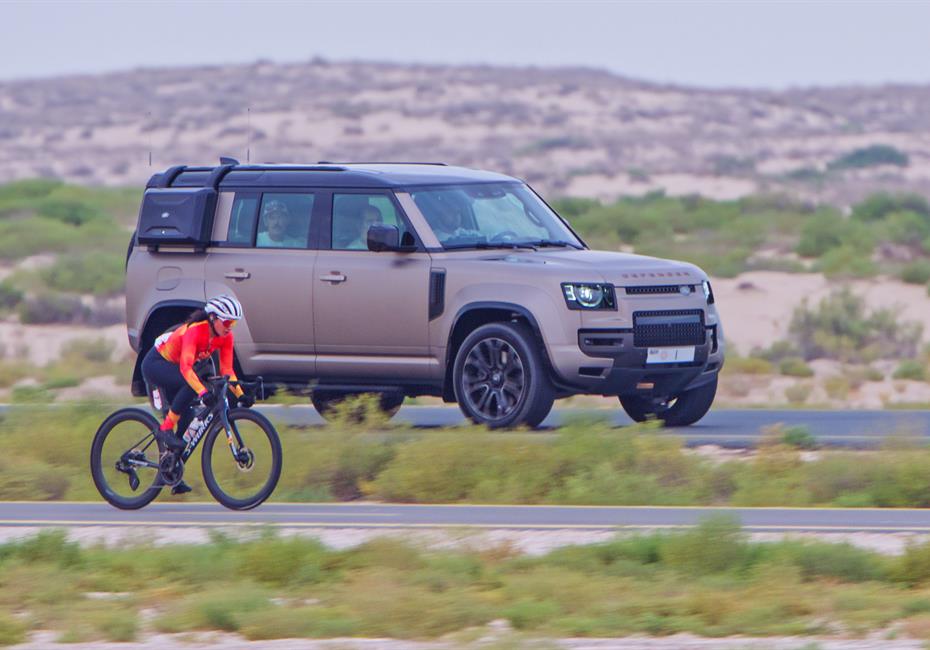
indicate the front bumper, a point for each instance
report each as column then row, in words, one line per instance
column 608, row 363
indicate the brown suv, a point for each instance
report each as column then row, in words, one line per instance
column 420, row 279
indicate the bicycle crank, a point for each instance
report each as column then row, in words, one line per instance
column 170, row 469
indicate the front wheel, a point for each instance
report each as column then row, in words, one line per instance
column 500, row 377
column 681, row 411
column 124, row 459
column 242, row 471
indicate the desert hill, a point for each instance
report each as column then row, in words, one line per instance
column 569, row 131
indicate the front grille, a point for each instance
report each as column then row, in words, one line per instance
column 668, row 328
column 656, row 289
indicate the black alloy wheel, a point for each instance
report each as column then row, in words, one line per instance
column 500, row 377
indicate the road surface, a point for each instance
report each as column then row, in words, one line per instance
column 396, row 516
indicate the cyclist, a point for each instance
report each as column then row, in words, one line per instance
column 170, row 365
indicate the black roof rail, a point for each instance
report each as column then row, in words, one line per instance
column 382, row 162
column 167, row 177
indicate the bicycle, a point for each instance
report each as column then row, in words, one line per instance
column 117, row 462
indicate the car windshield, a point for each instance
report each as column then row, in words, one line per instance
column 491, row 215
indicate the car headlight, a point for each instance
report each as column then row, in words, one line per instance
column 585, row 295
column 708, row 292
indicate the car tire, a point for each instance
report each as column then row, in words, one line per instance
column 686, row 409
column 325, row 400
column 500, row 377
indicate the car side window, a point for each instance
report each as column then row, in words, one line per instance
column 353, row 214
column 242, row 220
column 284, row 220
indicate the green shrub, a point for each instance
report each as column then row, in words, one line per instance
column 795, row 367
column 847, row 261
column 821, row 233
column 917, row 272
column 571, row 206
column 715, row 545
column 911, row 369
column 876, row 154
column 799, row 437
column 747, row 365
column 52, row 308
column 10, row 296
column 877, row 206
column 840, row 328
column 841, row 561
column 100, row 274
column 12, row 631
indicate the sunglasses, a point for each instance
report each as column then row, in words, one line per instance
column 229, row 324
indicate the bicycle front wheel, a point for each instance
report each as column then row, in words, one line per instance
column 242, row 468
column 124, row 459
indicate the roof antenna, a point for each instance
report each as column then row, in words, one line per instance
column 248, row 149
column 149, row 115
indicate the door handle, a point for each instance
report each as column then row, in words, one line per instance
column 334, row 277
column 238, row 274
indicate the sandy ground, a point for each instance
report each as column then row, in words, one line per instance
column 756, row 307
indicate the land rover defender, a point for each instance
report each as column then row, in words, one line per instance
column 407, row 279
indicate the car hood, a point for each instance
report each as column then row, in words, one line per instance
column 623, row 269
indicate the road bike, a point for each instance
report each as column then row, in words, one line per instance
column 130, row 466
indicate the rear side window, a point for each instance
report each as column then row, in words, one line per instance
column 284, row 220
column 353, row 214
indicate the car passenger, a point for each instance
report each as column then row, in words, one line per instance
column 275, row 227
column 369, row 216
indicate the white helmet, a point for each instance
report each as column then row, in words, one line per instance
column 225, row 308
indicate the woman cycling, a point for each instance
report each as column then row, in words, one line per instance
column 170, row 364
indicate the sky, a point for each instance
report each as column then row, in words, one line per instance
column 744, row 43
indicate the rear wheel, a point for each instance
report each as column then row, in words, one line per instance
column 242, row 476
column 325, row 401
column 500, row 377
column 124, row 457
column 681, row 411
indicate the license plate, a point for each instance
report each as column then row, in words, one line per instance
column 670, row 355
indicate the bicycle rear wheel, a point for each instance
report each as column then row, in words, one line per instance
column 124, row 459
column 242, row 477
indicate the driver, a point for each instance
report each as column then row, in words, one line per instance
column 446, row 221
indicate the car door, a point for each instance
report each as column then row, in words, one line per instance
column 265, row 257
column 370, row 309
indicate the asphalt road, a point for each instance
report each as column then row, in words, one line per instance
column 727, row 428
column 735, row 429
column 357, row 515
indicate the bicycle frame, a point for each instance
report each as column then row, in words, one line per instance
column 219, row 387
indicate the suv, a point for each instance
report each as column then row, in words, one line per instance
column 408, row 279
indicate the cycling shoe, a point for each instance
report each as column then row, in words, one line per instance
column 169, row 440
column 181, row 488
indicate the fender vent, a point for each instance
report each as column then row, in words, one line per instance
column 437, row 293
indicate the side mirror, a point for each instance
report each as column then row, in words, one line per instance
column 383, row 238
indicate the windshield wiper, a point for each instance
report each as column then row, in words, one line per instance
column 554, row 242
column 486, row 245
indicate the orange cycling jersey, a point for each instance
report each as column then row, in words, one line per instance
column 194, row 342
